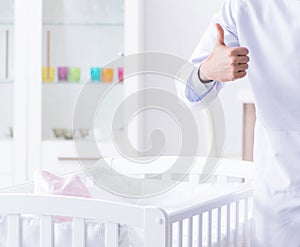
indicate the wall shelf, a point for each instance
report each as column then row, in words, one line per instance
column 6, row 24
column 6, row 82
column 6, row 141
column 74, row 24
column 92, row 84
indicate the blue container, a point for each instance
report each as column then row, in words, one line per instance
column 96, row 74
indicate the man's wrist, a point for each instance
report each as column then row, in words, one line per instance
column 202, row 77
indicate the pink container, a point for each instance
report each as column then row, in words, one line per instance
column 62, row 73
column 121, row 74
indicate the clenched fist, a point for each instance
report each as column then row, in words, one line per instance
column 225, row 63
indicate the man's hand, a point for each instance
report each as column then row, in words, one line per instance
column 225, row 63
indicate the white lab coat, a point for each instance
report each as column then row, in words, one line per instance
column 270, row 29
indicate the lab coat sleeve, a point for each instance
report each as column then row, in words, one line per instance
column 194, row 92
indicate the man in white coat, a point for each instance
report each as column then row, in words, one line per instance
column 261, row 38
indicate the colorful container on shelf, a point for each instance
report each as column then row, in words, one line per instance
column 74, row 74
column 62, row 73
column 107, row 74
column 48, row 74
column 121, row 74
column 95, row 74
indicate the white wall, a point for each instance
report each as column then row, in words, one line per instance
column 175, row 26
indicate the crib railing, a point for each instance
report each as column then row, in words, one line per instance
column 13, row 206
column 201, row 225
column 204, row 226
column 190, row 227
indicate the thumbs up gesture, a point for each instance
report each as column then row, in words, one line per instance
column 225, row 63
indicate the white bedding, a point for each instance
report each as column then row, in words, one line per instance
column 62, row 233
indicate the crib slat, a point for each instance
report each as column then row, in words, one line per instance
column 219, row 226
column 209, row 239
column 228, row 225
column 246, row 222
column 111, row 235
column 237, row 222
column 14, row 230
column 46, row 231
column 179, row 234
column 171, row 235
column 200, row 227
column 190, row 232
column 79, row 237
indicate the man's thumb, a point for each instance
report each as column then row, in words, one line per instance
column 220, row 35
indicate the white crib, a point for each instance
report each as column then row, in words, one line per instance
column 221, row 221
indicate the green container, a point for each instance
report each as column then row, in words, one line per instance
column 74, row 74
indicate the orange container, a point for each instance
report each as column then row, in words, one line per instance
column 107, row 74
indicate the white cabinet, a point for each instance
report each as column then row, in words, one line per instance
column 79, row 39
column 52, row 50
column 6, row 91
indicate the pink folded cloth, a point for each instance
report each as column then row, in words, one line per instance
column 50, row 184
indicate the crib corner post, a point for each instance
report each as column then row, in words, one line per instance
column 156, row 227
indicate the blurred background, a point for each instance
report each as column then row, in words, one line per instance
column 51, row 49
